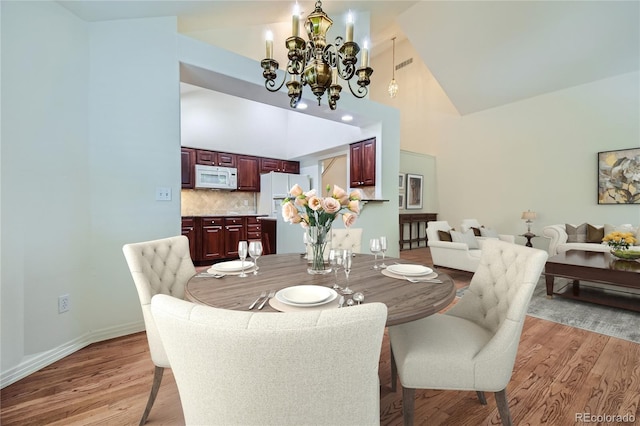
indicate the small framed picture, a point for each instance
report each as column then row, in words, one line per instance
column 414, row 191
column 401, row 180
column 401, row 201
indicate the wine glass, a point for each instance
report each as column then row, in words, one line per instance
column 383, row 249
column 255, row 251
column 346, row 264
column 242, row 254
column 374, row 246
column 335, row 260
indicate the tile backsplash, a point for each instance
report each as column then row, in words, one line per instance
column 202, row 202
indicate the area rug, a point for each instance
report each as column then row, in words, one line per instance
column 613, row 322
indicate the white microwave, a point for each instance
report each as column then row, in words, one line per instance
column 216, row 177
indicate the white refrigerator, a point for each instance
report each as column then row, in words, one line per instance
column 274, row 187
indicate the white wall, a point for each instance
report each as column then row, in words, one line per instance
column 45, row 191
column 538, row 154
column 222, row 122
column 135, row 147
column 91, row 127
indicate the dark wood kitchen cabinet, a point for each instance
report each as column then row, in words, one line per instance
column 211, row 239
column 216, row 238
column 189, row 231
column 235, row 230
column 254, row 228
column 248, row 176
column 362, row 170
column 274, row 165
column 187, row 162
column 213, row 158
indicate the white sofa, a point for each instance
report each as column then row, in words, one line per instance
column 455, row 255
column 560, row 238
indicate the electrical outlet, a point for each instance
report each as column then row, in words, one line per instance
column 64, row 303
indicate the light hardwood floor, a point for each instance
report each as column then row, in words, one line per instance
column 559, row 373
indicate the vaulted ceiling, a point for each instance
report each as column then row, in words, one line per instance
column 483, row 53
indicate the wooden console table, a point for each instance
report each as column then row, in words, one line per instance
column 417, row 227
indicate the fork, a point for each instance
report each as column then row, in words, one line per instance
column 271, row 294
column 415, row 280
column 263, row 294
column 209, row 274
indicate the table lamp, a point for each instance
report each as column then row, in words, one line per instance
column 529, row 216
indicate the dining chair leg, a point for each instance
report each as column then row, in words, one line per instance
column 503, row 407
column 408, row 402
column 481, row 397
column 394, row 370
column 157, row 379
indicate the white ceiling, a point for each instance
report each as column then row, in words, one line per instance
column 483, row 53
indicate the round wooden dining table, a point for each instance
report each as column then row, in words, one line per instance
column 405, row 301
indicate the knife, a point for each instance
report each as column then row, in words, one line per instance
column 263, row 294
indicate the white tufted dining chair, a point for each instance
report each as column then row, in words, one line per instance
column 158, row 267
column 348, row 238
column 269, row 368
column 473, row 345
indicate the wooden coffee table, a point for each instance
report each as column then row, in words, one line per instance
column 579, row 265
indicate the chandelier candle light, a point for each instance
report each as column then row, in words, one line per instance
column 316, row 63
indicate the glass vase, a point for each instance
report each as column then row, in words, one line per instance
column 319, row 240
column 625, row 254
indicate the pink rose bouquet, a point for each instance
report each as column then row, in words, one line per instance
column 310, row 209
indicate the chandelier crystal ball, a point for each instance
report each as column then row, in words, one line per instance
column 315, row 63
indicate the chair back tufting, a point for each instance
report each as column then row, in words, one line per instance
column 350, row 238
column 158, row 267
column 502, row 286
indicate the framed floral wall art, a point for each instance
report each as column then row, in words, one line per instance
column 414, row 191
column 619, row 176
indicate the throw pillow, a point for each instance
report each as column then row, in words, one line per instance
column 594, row 234
column 444, row 236
column 622, row 228
column 489, row 233
column 608, row 228
column 468, row 238
column 576, row 234
column 476, row 231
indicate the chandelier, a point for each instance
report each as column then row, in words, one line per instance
column 315, row 63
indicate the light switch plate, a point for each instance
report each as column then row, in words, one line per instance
column 163, row 193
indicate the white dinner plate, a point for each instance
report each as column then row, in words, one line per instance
column 306, row 295
column 409, row 270
column 232, row 266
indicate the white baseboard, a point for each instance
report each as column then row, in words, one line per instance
column 33, row 363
